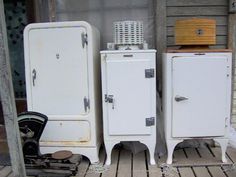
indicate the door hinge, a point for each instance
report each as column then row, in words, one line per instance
column 228, row 71
column 150, row 121
column 86, row 104
column 84, row 38
column 110, row 99
column 149, row 73
column 226, row 122
column 34, row 74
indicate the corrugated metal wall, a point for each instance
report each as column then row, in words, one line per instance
column 102, row 14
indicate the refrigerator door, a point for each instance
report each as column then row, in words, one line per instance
column 59, row 71
column 199, row 96
column 129, row 96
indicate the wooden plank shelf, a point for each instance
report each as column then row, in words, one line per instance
column 188, row 162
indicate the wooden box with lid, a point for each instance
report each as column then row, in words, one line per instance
column 195, row 31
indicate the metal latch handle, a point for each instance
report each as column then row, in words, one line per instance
column 34, row 75
column 110, row 99
column 180, row 98
column 84, row 39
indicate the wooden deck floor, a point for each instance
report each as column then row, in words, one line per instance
column 188, row 162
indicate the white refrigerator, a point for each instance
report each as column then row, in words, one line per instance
column 62, row 70
column 196, row 97
column 129, row 98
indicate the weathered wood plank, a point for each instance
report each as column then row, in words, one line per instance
column 232, row 45
column 234, row 95
column 124, row 168
column 193, row 159
column 8, row 102
column 186, row 172
column 220, row 30
column 42, row 11
column 90, row 172
column 182, row 3
column 230, row 172
column 233, row 110
column 192, row 153
column 218, row 47
column 179, row 156
column 68, row 8
column 161, row 44
column 192, row 11
column 111, row 172
column 196, row 50
column 139, row 165
column 220, row 40
column 5, row 171
column 83, row 167
column 234, row 103
column 205, row 153
column 233, row 118
column 217, row 156
column 154, row 170
column 11, row 175
column 216, row 171
column 52, row 10
column 199, row 171
column 227, row 169
column 232, row 154
column 220, row 20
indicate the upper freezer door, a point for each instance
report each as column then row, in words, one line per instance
column 59, row 71
column 130, row 96
column 199, row 96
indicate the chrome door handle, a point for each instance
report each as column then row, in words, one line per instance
column 180, row 98
column 34, row 76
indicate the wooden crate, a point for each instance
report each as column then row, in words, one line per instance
column 195, row 32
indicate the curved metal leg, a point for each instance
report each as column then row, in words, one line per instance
column 170, row 148
column 223, row 144
column 151, row 147
column 109, row 146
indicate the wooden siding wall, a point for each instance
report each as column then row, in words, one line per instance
column 213, row 9
column 232, row 45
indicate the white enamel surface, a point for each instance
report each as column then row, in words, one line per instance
column 61, row 70
column 123, row 76
column 80, row 131
column 205, row 79
column 131, row 96
column 66, row 72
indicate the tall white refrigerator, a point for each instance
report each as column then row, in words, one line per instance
column 129, row 98
column 62, row 69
